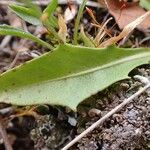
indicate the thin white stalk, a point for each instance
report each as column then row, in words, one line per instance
column 101, row 120
column 101, row 32
column 142, row 79
column 5, row 41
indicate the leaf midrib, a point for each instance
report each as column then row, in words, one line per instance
column 106, row 66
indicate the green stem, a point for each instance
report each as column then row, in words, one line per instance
column 77, row 22
column 45, row 44
column 51, row 29
column 87, row 41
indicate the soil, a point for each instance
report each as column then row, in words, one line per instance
column 128, row 129
column 55, row 126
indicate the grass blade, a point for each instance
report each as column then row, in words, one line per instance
column 8, row 30
column 77, row 22
column 26, row 14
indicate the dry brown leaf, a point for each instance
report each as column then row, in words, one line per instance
column 126, row 12
column 126, row 31
column 70, row 13
column 62, row 28
column 101, row 33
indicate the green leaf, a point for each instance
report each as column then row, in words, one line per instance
column 53, row 21
column 145, row 4
column 27, row 14
column 49, row 10
column 51, row 7
column 77, row 22
column 31, row 5
column 68, row 75
column 87, row 41
column 8, row 30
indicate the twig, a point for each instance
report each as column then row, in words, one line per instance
column 5, row 138
column 142, row 79
column 14, row 61
column 101, row 120
column 144, row 40
column 5, row 41
column 45, row 2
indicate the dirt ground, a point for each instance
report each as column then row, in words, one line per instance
column 56, row 126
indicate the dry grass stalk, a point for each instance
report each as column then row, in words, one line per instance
column 126, row 31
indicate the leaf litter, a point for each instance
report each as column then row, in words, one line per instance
column 126, row 12
column 126, row 31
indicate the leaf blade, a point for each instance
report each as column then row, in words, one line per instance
column 145, row 4
column 26, row 14
column 8, row 30
column 51, row 7
column 65, row 85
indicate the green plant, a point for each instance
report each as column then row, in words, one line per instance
column 32, row 14
column 145, row 4
column 67, row 74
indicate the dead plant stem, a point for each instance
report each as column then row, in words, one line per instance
column 5, row 137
